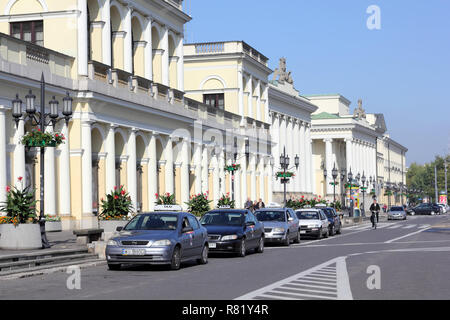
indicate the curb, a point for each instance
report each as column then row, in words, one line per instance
column 62, row 268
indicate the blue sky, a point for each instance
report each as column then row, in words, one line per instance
column 402, row 70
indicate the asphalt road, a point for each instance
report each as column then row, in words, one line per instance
column 400, row 260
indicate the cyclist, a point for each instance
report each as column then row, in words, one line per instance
column 375, row 209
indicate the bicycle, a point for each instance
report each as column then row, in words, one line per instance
column 373, row 219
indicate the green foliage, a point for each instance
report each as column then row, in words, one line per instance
column 225, row 200
column 117, row 205
column 20, row 205
column 302, row 202
column 49, row 218
column 37, row 138
column 165, row 199
column 199, row 204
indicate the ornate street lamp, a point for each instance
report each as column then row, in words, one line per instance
column 284, row 164
column 350, row 178
column 363, row 189
column 334, row 174
column 343, row 174
column 42, row 120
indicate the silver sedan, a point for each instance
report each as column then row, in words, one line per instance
column 396, row 213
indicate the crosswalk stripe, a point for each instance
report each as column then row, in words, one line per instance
column 318, row 282
column 294, row 287
column 318, row 275
column 424, row 226
column 293, row 293
column 299, row 283
column 410, row 226
column 395, row 226
column 326, row 273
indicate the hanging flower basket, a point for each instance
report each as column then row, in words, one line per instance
column 334, row 183
column 285, row 175
column 39, row 139
column 232, row 168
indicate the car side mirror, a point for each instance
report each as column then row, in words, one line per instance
column 290, row 219
column 119, row 228
column 187, row 229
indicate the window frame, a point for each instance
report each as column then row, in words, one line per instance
column 216, row 96
column 32, row 28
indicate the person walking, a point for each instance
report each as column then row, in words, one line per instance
column 248, row 204
column 260, row 204
column 375, row 209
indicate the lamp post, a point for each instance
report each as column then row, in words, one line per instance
column 42, row 120
column 350, row 178
column 233, row 168
column 325, row 175
column 284, row 163
column 363, row 189
column 334, row 174
column 343, row 174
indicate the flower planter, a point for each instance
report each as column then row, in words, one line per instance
column 111, row 225
column 24, row 236
column 53, row 226
column 35, row 144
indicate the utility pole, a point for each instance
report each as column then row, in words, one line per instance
column 435, row 184
column 445, row 170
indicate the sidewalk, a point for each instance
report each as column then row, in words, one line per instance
column 58, row 240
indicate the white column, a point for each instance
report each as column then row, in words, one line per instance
column 152, row 172
column 148, row 50
column 250, row 96
column 131, row 167
column 50, row 181
column 241, row 93
column 303, row 156
column 355, row 157
column 349, row 154
column 169, row 176
column 128, row 43
column 64, row 174
column 237, row 186
column 110, row 163
column 222, row 173
column 252, row 163
column 243, row 163
column 82, row 39
column 296, row 143
column 328, row 161
column 19, row 155
column 3, row 182
column 184, row 173
column 269, row 169
column 258, row 100
column 216, row 181
column 198, row 167
column 266, row 105
column 275, row 128
column 205, row 169
column 106, row 33
column 310, row 170
column 289, row 141
column 262, row 174
column 180, row 64
column 165, row 56
column 86, row 165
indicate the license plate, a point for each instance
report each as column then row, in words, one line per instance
column 302, row 232
column 212, row 245
column 133, row 252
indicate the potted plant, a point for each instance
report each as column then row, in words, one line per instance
column 53, row 223
column 37, row 138
column 19, row 228
column 198, row 205
column 168, row 199
column 115, row 210
column 225, row 201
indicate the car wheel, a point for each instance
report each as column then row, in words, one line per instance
column 260, row 248
column 287, row 242
column 297, row 238
column 432, row 213
column 175, row 263
column 114, row 267
column 319, row 236
column 332, row 232
column 326, row 234
column 413, row 213
column 242, row 249
column 339, row 231
column 204, row 258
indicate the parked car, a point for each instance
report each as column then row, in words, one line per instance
column 313, row 222
column 335, row 225
column 281, row 225
column 231, row 230
column 443, row 208
column 396, row 213
column 158, row 238
column 426, row 208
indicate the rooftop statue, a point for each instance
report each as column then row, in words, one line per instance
column 282, row 74
column 359, row 113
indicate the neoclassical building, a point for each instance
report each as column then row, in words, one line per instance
column 291, row 131
column 355, row 141
column 122, row 63
column 231, row 76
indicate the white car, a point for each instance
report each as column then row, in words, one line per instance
column 313, row 222
column 396, row 213
column 443, row 207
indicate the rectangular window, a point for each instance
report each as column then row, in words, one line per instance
column 214, row 100
column 31, row 31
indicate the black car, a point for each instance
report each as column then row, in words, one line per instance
column 231, row 230
column 335, row 225
column 426, row 208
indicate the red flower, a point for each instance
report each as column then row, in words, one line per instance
column 39, row 130
column 8, row 188
column 116, row 197
column 123, row 192
column 56, row 135
column 20, row 178
column 115, row 187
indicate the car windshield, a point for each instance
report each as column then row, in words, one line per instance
column 223, row 219
column 271, row 216
column 307, row 215
column 328, row 213
column 396, row 209
column 156, row 221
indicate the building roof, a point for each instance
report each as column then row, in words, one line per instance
column 324, row 115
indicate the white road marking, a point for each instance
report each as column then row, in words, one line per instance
column 408, row 235
column 395, row 226
column 299, row 286
column 424, row 226
column 410, row 226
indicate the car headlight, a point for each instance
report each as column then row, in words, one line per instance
column 279, row 230
column 229, row 237
column 161, row 243
column 112, row 243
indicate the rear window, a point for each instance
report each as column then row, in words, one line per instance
column 278, row 216
column 396, row 209
column 307, row 215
